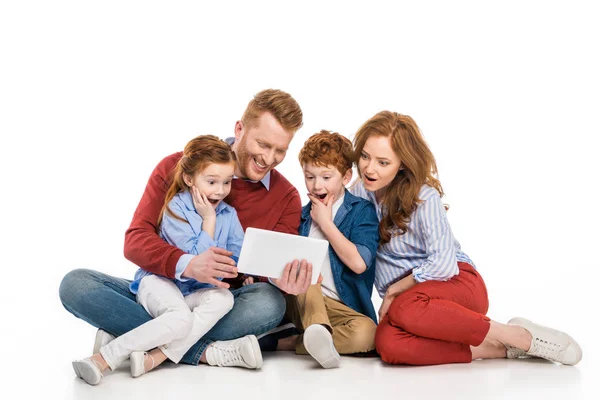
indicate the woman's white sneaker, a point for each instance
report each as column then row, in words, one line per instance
column 137, row 361
column 319, row 344
column 549, row 343
column 243, row 352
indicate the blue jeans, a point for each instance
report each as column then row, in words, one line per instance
column 106, row 302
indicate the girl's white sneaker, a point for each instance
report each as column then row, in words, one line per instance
column 88, row 370
column 137, row 360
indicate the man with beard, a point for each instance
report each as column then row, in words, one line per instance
column 262, row 197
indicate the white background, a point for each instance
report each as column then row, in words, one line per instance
column 93, row 95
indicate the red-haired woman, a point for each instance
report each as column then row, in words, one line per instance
column 434, row 300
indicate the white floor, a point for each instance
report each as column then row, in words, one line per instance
column 45, row 371
column 286, row 376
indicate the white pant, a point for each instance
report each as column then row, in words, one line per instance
column 179, row 322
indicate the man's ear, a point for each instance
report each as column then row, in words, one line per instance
column 347, row 177
column 238, row 130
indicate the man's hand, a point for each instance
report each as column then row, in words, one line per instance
column 295, row 278
column 212, row 264
column 321, row 212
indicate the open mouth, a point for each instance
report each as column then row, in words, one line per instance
column 213, row 201
column 259, row 165
column 370, row 179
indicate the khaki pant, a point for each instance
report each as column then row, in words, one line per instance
column 352, row 331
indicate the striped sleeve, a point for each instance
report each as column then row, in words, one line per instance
column 441, row 262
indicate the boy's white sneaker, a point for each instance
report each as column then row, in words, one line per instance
column 102, row 338
column 319, row 344
column 87, row 370
column 549, row 343
column 242, row 352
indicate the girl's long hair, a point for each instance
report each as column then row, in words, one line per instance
column 401, row 197
column 197, row 155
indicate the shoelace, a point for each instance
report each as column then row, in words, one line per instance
column 545, row 349
column 227, row 355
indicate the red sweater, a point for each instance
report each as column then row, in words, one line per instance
column 277, row 209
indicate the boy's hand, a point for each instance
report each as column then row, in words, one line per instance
column 248, row 281
column 321, row 212
column 202, row 205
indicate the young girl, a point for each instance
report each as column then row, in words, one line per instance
column 194, row 218
column 434, row 300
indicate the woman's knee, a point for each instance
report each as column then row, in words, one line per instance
column 390, row 345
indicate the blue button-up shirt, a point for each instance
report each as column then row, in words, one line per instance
column 190, row 237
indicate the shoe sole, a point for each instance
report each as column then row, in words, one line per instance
column 135, row 359
column 86, row 372
column 523, row 323
column 256, row 351
column 312, row 336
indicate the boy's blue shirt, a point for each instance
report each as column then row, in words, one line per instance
column 357, row 220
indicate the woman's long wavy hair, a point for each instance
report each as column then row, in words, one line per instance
column 401, row 197
column 198, row 154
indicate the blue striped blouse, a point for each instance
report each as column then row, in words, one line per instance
column 428, row 249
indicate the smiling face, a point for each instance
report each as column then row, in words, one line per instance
column 260, row 148
column 378, row 163
column 214, row 181
column 324, row 182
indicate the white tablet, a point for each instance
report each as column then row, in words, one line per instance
column 265, row 253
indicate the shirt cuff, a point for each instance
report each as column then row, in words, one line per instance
column 182, row 264
column 417, row 276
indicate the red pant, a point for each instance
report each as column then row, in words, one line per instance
column 436, row 322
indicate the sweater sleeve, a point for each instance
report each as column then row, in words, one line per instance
column 143, row 246
column 289, row 222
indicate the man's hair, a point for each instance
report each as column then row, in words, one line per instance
column 328, row 148
column 279, row 104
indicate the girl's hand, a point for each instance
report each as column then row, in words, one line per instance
column 248, row 281
column 321, row 212
column 202, row 205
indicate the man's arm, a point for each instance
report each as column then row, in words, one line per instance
column 143, row 246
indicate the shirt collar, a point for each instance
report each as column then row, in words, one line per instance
column 266, row 180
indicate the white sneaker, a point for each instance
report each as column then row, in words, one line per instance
column 102, row 338
column 319, row 344
column 137, row 361
column 88, row 370
column 243, row 352
column 549, row 343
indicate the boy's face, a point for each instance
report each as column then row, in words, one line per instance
column 324, row 182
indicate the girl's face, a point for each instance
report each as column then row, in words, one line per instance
column 214, row 182
column 378, row 164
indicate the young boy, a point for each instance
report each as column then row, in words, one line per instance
column 337, row 314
